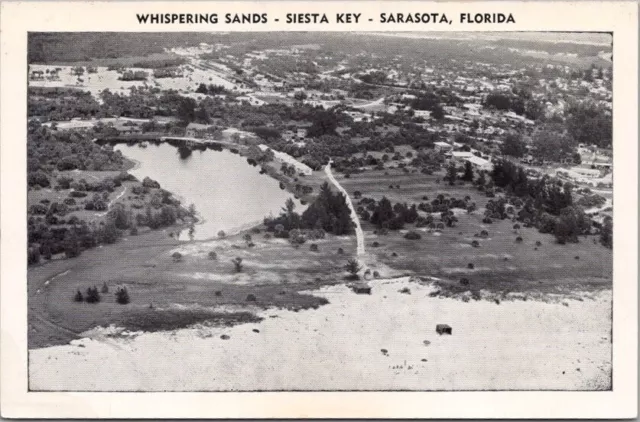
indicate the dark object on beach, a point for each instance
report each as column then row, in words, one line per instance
column 362, row 289
column 225, row 337
column 255, row 330
column 443, row 329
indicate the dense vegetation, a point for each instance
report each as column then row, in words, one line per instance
column 329, row 213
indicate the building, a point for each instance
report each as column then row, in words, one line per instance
column 193, row 130
column 480, row 163
column 442, row 146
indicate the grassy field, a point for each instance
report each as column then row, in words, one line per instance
column 500, row 264
column 166, row 294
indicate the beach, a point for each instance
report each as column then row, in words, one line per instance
column 383, row 341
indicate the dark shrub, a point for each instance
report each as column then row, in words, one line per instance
column 122, row 296
column 212, row 255
column 105, row 288
column 412, row 235
column 375, row 244
column 576, row 257
column 475, row 244
column 464, row 281
column 92, row 295
column 376, row 274
column 538, row 243
column 484, row 233
column 313, row 247
column 218, row 293
column 251, row 297
column 78, row 296
column 519, row 239
column 470, row 266
column 340, row 251
column 487, row 220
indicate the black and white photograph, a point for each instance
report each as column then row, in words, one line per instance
column 241, row 211
column 319, row 211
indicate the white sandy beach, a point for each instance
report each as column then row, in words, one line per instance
column 514, row 345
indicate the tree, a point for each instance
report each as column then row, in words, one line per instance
column 606, row 233
column 78, row 296
column 122, row 296
column 513, row 146
column 481, row 181
column 452, row 173
column 322, row 123
column 237, row 263
column 92, row 295
column 468, row 172
column 437, row 112
column 353, row 266
column 71, row 244
column 551, row 144
column 589, row 123
column 382, row 213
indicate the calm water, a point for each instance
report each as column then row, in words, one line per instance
column 228, row 192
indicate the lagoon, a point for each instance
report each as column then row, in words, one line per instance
column 228, row 192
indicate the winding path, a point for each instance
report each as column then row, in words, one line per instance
column 112, row 202
column 354, row 215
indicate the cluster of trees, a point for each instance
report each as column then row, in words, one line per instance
column 166, row 73
column 211, row 89
column 520, row 102
column 545, row 203
column 429, row 101
column 54, row 104
column 133, row 75
column 328, row 213
column 387, row 216
column 589, row 123
column 49, row 150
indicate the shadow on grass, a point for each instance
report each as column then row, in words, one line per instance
column 152, row 320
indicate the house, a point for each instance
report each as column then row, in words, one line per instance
column 480, row 163
column 460, row 156
column 37, row 74
column 425, row 114
column 442, row 146
column 193, row 130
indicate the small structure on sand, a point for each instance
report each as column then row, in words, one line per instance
column 362, row 289
column 443, row 329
